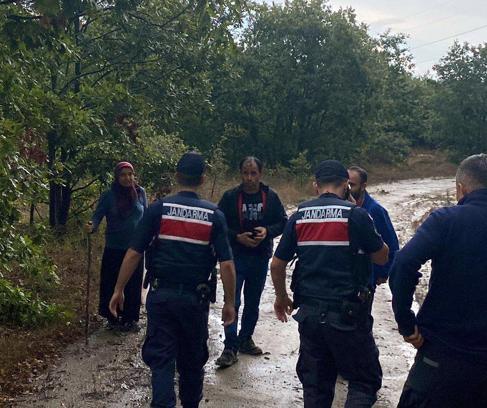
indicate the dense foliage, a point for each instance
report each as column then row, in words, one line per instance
column 86, row 83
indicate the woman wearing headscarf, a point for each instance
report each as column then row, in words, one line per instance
column 123, row 206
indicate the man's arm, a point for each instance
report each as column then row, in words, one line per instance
column 224, row 255
column 366, row 236
column 425, row 244
column 283, row 305
column 285, row 251
column 144, row 233
column 386, row 230
column 224, row 206
column 227, row 274
column 381, row 256
column 129, row 264
column 278, row 274
column 279, row 215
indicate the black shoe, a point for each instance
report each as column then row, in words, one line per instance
column 112, row 325
column 248, row 347
column 227, row 359
column 130, row 327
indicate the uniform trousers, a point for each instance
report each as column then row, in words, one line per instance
column 326, row 351
column 177, row 334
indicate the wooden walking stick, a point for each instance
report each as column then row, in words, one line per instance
column 88, row 280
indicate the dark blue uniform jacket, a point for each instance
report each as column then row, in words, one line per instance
column 454, row 312
column 319, row 234
column 384, row 227
column 191, row 235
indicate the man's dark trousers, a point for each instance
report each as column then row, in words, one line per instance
column 177, row 330
column 326, row 352
column 251, row 275
column 443, row 378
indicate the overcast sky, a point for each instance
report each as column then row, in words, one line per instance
column 425, row 21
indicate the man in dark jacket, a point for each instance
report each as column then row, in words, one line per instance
column 358, row 183
column 255, row 216
column 450, row 329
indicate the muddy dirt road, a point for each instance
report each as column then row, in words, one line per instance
column 110, row 373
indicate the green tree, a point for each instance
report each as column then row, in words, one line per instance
column 303, row 77
column 460, row 102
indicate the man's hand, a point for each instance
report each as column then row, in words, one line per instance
column 260, row 234
column 381, row 281
column 416, row 339
column 88, row 227
column 246, row 239
column 228, row 314
column 116, row 302
column 283, row 306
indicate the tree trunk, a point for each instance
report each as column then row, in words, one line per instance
column 31, row 214
column 53, row 186
column 64, row 205
column 63, row 198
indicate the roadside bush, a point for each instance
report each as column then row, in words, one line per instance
column 22, row 308
column 386, row 148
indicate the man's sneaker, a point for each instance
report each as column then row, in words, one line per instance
column 227, row 359
column 248, row 347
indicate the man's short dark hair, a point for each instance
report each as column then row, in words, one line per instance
column 472, row 172
column 334, row 181
column 361, row 172
column 254, row 159
column 188, row 181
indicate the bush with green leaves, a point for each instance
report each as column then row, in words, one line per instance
column 22, row 308
column 300, row 167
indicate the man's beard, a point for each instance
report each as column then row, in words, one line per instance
column 356, row 194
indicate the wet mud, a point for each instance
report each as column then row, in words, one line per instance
column 110, row 373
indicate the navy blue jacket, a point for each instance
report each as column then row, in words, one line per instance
column 319, row 234
column 384, row 227
column 454, row 312
column 191, row 235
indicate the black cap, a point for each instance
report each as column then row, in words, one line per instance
column 191, row 164
column 329, row 169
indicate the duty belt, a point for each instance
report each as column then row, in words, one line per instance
column 322, row 305
column 157, row 283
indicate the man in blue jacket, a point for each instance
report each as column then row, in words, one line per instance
column 450, row 329
column 358, row 184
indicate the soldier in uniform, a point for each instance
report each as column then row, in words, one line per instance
column 335, row 243
column 186, row 236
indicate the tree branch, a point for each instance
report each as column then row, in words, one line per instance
column 166, row 23
column 102, row 76
column 74, row 190
column 23, row 18
column 78, row 77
